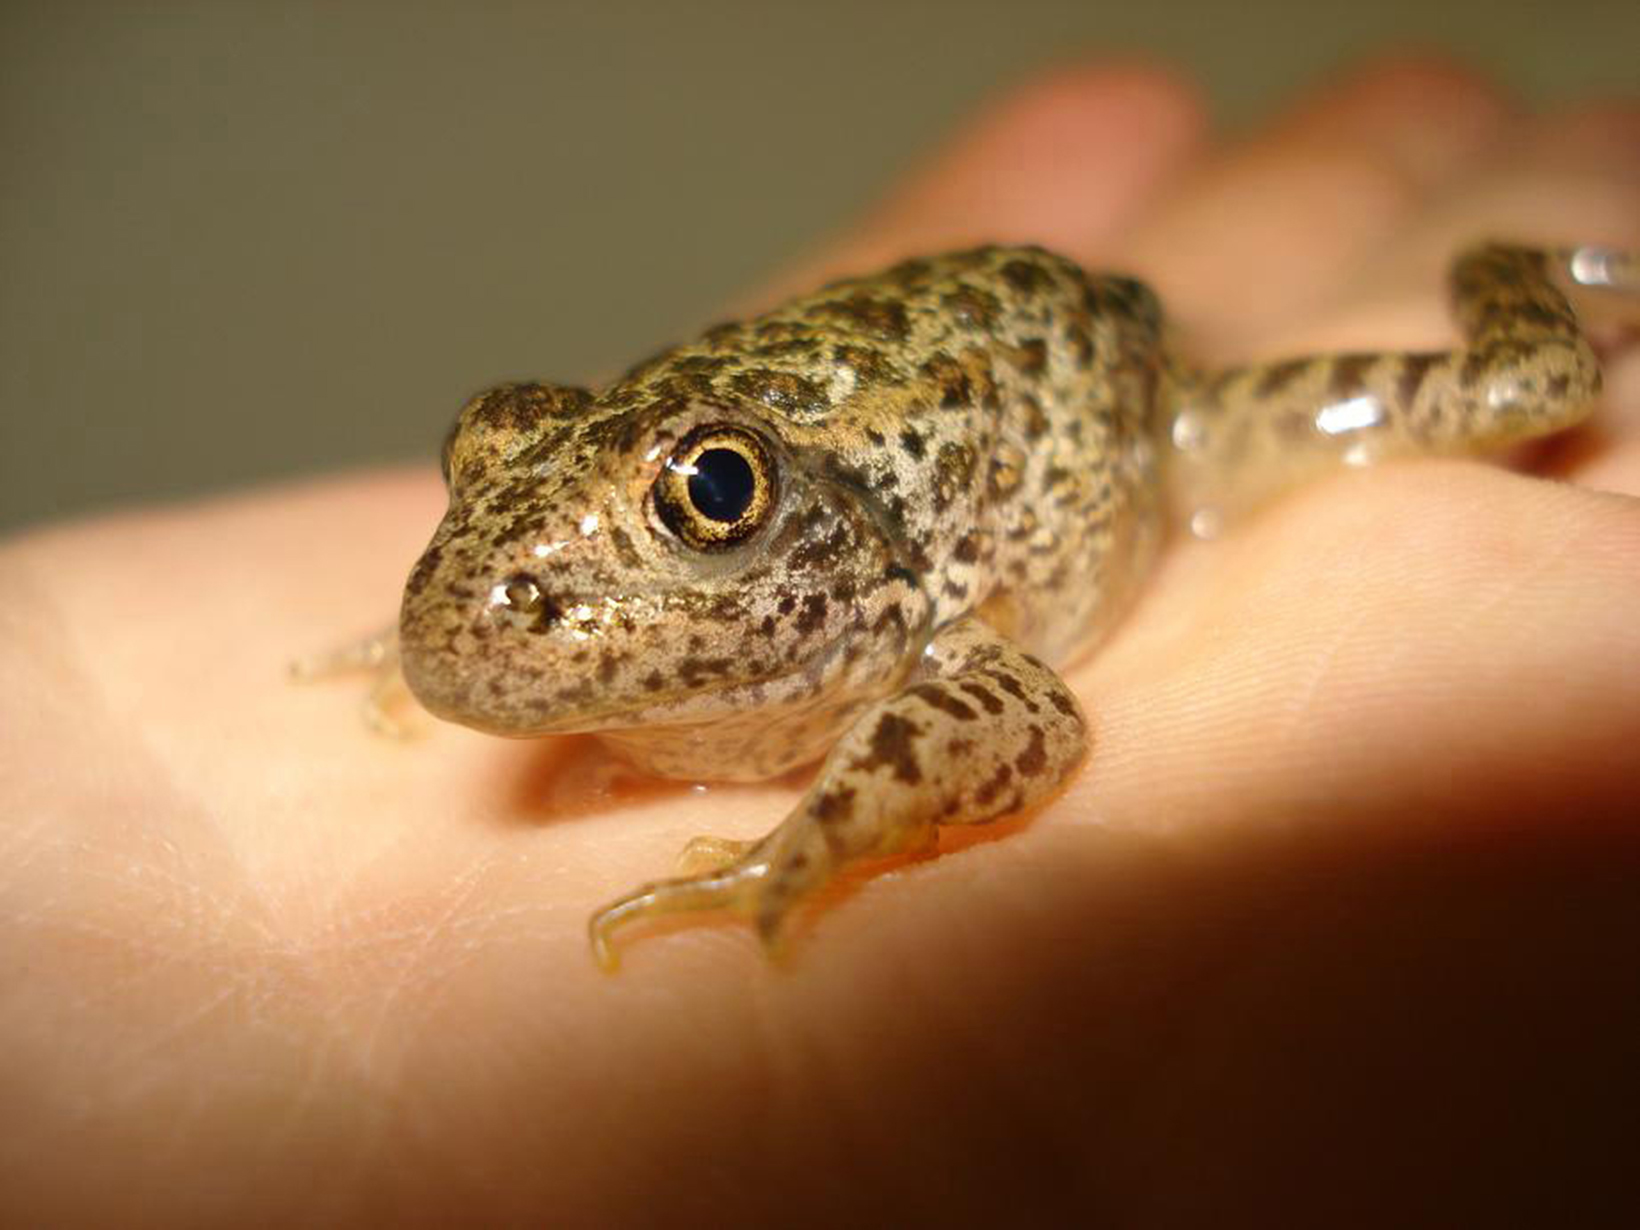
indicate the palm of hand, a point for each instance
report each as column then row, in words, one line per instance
column 1355, row 757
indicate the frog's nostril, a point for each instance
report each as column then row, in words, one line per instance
column 522, row 597
column 520, row 594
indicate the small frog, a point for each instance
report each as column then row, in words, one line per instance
column 867, row 526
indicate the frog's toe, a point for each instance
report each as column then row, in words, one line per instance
column 368, row 653
column 707, row 854
column 733, row 888
column 389, row 694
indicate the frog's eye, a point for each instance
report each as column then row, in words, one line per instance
column 717, row 489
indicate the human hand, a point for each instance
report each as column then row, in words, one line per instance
column 1338, row 913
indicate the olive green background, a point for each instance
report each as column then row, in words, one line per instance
column 245, row 241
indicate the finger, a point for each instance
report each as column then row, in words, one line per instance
column 1066, row 161
column 1402, row 626
column 1560, row 180
column 1606, row 456
column 1262, row 234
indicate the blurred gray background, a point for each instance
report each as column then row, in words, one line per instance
column 241, row 241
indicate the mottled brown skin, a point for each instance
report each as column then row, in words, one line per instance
column 964, row 466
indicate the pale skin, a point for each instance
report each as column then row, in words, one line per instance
column 1339, row 912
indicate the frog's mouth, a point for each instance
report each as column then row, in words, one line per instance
column 503, row 685
column 607, row 719
column 457, row 693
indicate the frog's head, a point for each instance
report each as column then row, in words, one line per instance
column 632, row 560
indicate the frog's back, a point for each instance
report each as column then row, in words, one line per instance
column 993, row 409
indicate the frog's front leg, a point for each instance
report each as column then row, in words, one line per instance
column 378, row 654
column 982, row 731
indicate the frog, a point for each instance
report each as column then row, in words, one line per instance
column 868, row 530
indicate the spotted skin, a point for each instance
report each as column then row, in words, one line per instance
column 964, row 466
column 1244, row 434
column 989, row 732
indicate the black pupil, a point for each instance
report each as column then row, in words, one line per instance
column 722, row 485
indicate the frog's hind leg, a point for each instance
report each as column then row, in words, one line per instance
column 986, row 730
column 1525, row 369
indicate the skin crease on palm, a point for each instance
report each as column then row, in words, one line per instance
column 1338, row 916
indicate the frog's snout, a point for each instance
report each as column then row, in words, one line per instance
column 511, row 644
